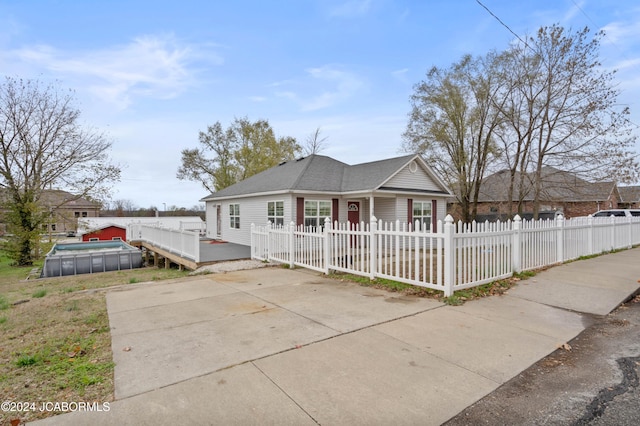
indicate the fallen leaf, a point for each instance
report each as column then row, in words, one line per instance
column 126, row 349
column 565, row 346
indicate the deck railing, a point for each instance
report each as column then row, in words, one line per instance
column 185, row 244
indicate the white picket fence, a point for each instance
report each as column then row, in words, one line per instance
column 183, row 243
column 457, row 257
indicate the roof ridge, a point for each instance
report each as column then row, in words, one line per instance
column 311, row 157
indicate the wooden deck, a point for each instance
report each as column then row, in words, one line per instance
column 210, row 252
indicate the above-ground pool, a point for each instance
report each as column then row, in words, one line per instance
column 91, row 257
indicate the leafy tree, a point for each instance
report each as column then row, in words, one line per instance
column 452, row 123
column 44, row 146
column 240, row 151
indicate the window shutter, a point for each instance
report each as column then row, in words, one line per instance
column 434, row 216
column 410, row 210
column 334, row 210
column 300, row 211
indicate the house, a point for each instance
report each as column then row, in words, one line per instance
column 308, row 190
column 108, row 232
column 629, row 197
column 561, row 191
column 64, row 210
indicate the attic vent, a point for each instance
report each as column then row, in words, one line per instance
column 413, row 167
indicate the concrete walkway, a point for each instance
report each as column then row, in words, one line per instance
column 278, row 346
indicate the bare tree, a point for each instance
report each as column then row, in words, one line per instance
column 44, row 146
column 314, row 144
column 123, row 207
column 563, row 109
column 452, row 123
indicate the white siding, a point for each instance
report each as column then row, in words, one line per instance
column 252, row 210
column 385, row 209
column 407, row 179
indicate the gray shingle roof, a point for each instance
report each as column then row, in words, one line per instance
column 629, row 194
column 316, row 173
column 557, row 185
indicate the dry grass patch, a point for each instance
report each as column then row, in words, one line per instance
column 55, row 343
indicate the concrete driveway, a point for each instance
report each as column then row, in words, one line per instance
column 168, row 333
column 279, row 346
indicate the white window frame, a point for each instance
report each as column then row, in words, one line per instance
column 315, row 215
column 234, row 216
column 422, row 213
column 275, row 212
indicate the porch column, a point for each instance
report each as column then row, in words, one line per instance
column 371, row 206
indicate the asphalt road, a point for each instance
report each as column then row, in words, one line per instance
column 591, row 381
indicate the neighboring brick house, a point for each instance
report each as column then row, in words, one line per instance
column 66, row 209
column 629, row 197
column 562, row 192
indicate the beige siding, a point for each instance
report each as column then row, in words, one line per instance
column 413, row 180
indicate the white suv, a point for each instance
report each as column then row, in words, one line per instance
column 617, row 212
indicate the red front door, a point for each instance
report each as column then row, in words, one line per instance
column 353, row 207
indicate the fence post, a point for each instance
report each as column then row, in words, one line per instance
column 630, row 232
column 269, row 242
column 560, row 239
column 196, row 236
column 613, row 232
column 448, row 256
column 590, row 235
column 373, row 247
column 326, row 241
column 292, row 241
column 516, row 245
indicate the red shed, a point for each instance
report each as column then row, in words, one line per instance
column 106, row 233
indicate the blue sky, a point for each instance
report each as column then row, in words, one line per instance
column 152, row 74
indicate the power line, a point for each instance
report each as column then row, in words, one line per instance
column 502, row 23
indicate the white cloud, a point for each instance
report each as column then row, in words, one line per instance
column 158, row 67
column 401, row 75
column 335, row 86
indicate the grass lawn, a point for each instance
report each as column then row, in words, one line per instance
column 55, row 344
